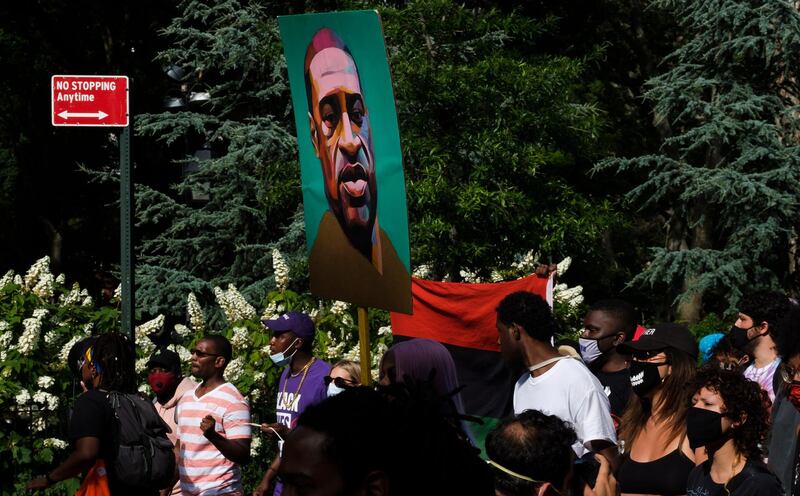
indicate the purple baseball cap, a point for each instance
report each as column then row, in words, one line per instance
column 297, row 322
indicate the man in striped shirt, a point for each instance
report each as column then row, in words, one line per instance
column 213, row 425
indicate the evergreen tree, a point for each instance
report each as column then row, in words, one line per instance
column 230, row 49
column 727, row 179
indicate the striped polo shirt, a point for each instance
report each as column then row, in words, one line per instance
column 203, row 469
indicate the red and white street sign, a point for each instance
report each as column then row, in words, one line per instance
column 89, row 101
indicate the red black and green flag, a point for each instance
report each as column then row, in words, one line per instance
column 462, row 317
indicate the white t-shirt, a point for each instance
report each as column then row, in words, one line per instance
column 570, row 391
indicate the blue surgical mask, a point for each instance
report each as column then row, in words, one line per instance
column 280, row 359
column 333, row 389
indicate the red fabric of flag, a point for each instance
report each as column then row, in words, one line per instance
column 462, row 314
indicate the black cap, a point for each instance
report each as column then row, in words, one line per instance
column 660, row 336
column 166, row 359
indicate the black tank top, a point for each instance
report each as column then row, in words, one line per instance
column 665, row 476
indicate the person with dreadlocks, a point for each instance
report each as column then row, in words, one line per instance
column 107, row 365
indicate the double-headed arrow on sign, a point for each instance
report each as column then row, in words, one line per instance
column 100, row 115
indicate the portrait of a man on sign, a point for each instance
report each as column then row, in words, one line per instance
column 352, row 258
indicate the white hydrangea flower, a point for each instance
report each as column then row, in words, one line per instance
column 140, row 365
column 87, row 302
column 146, row 328
column 266, row 350
column 234, row 369
column 563, row 265
column 313, row 313
column 23, row 397
column 353, row 354
column 270, row 312
column 259, row 376
column 385, row 330
column 117, row 292
column 73, row 297
column 37, row 270
column 183, row 354
column 40, row 313
column 571, row 296
column 87, row 328
column 46, row 399
column 8, row 278
column 61, row 279
column 255, row 394
column 30, row 336
column 339, row 307
column 6, row 338
column 422, row 272
column 196, row 317
column 281, row 270
column 233, row 304
column 18, row 280
column 182, row 330
column 240, row 339
column 63, row 355
column 45, row 382
column 469, row 276
column 52, row 442
column 255, row 444
column 50, row 337
column 4, row 325
column 526, row 262
column 44, row 287
column 496, row 276
column 144, row 388
column 39, row 424
column 3, row 355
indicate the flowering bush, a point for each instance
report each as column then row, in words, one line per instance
column 41, row 318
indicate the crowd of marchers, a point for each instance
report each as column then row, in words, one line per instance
column 626, row 409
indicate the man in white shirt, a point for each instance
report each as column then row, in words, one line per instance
column 554, row 384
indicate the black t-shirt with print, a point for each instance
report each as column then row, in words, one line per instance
column 617, row 386
column 754, row 480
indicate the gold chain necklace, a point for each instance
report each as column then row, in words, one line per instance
column 302, row 379
column 733, row 473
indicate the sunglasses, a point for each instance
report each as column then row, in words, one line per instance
column 203, row 354
column 788, row 373
column 342, row 383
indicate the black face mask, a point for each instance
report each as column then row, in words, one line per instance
column 703, row 427
column 738, row 337
column 644, row 377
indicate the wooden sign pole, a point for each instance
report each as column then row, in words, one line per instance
column 363, row 340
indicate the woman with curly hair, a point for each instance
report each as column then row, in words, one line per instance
column 729, row 419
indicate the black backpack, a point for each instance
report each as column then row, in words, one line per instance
column 144, row 455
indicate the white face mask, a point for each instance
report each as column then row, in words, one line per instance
column 280, row 359
column 590, row 350
column 333, row 389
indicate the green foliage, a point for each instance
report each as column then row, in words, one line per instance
column 40, row 317
column 726, row 178
column 711, row 324
column 490, row 127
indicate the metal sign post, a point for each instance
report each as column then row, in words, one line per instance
column 104, row 101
